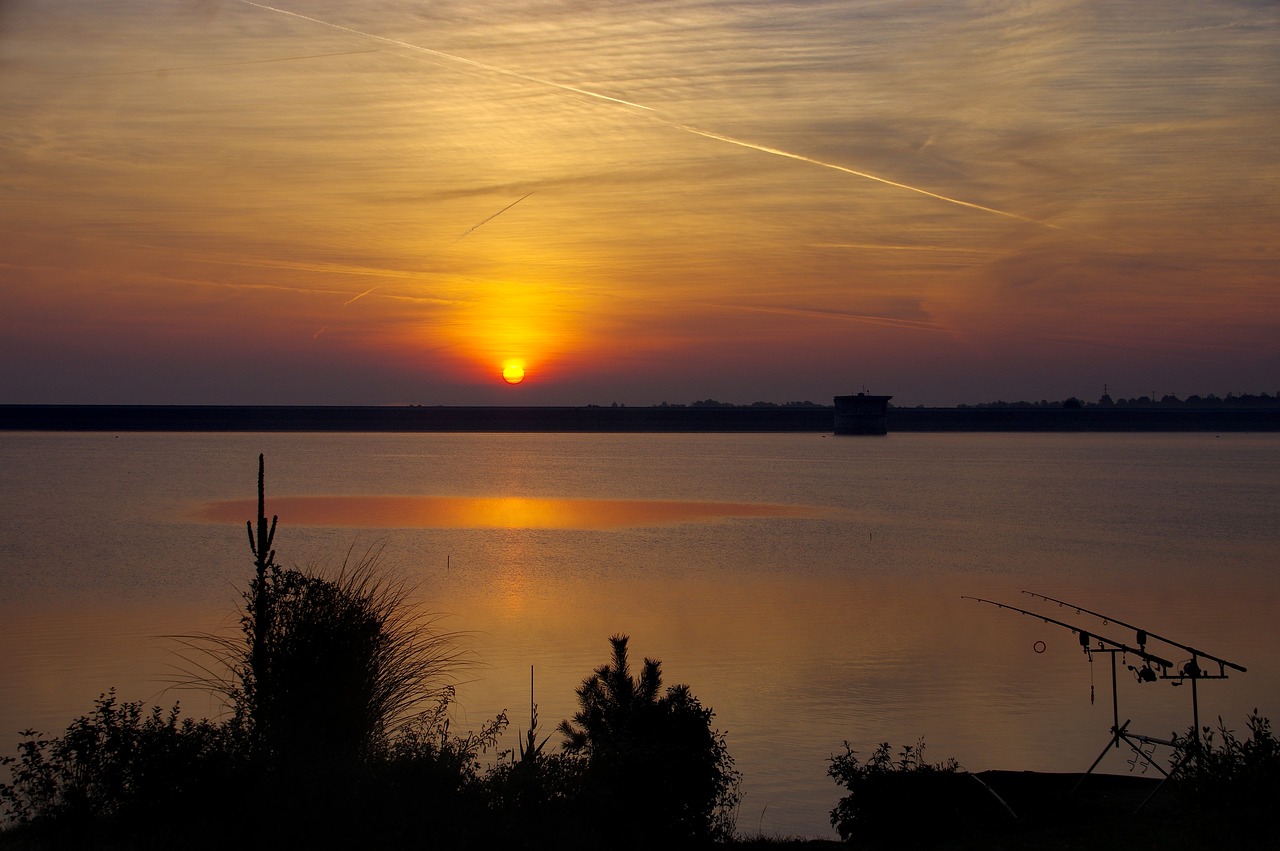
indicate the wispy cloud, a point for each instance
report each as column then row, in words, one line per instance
column 449, row 56
column 720, row 137
column 934, row 192
column 880, row 246
column 208, row 66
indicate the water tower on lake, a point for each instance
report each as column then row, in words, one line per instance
column 862, row 414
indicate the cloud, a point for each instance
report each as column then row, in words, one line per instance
column 812, row 185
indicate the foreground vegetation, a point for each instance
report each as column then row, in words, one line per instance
column 338, row 735
column 1220, row 794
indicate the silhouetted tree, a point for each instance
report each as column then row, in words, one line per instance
column 655, row 770
column 610, row 699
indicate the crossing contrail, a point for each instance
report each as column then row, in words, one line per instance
column 719, row 137
column 778, row 152
column 456, row 239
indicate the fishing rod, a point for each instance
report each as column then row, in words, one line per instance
column 1119, row 732
column 1142, row 635
column 1086, row 636
column 1190, row 670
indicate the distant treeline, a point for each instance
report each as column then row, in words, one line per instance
column 712, row 403
column 1231, row 400
column 1071, row 415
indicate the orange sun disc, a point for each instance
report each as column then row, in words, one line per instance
column 513, row 373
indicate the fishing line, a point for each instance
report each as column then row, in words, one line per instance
column 1089, row 653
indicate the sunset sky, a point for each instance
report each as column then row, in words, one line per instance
column 386, row 202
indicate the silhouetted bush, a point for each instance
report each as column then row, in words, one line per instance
column 1226, row 782
column 655, row 771
column 427, row 786
column 121, row 767
column 343, row 665
column 535, row 803
column 531, row 794
column 900, row 797
column 327, row 666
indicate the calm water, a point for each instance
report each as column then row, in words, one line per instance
column 807, row 587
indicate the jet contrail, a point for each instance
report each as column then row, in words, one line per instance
column 484, row 222
column 778, row 152
column 362, row 295
column 451, row 57
column 457, row 239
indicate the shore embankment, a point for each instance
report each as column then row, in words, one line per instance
column 591, row 418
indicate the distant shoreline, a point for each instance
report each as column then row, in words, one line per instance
column 412, row 418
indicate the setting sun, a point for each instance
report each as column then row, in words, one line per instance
column 597, row 212
column 513, row 373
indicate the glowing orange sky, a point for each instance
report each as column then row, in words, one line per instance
column 252, row 203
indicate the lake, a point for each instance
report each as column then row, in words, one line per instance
column 809, row 588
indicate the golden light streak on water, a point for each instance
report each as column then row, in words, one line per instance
column 447, row 512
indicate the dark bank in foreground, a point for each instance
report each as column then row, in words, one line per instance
column 817, row 419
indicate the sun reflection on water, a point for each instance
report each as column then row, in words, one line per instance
column 448, row 512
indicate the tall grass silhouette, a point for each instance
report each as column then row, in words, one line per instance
column 327, row 666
